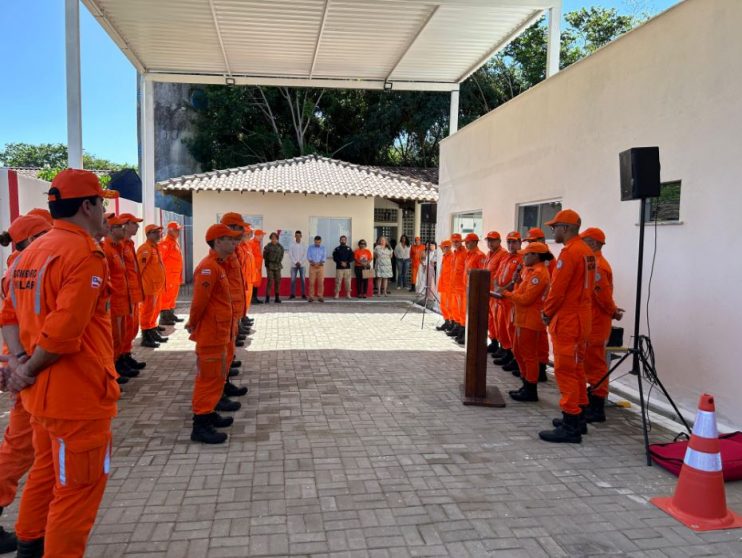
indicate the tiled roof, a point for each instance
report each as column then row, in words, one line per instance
column 418, row 173
column 310, row 174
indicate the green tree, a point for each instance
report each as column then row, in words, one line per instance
column 52, row 155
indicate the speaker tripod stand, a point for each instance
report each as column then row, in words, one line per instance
column 424, row 295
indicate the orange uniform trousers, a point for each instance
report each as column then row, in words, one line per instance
column 526, row 345
column 248, row 297
column 543, row 349
column 458, row 306
column 492, row 319
column 131, row 328
column 570, row 345
column 119, row 333
column 16, row 452
column 149, row 309
column 66, row 483
column 504, row 323
column 170, row 292
column 211, row 374
column 596, row 364
column 446, row 311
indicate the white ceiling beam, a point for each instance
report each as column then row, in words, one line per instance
column 535, row 4
column 501, row 45
column 219, row 37
column 412, row 42
column 268, row 81
column 319, row 38
column 117, row 38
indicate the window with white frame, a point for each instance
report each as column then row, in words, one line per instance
column 532, row 215
column 466, row 222
column 665, row 208
column 330, row 229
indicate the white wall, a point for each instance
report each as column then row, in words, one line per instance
column 674, row 82
column 291, row 211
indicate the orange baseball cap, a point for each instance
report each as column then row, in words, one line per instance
column 493, row 235
column 130, row 218
column 74, row 183
column 258, row 232
column 150, row 228
column 471, row 237
column 566, row 217
column 43, row 213
column 455, row 237
column 26, row 226
column 233, row 218
column 110, row 194
column 114, row 220
column 446, row 244
column 535, row 248
column 595, row 233
column 219, row 230
column 534, row 233
column 173, row 225
column 514, row 235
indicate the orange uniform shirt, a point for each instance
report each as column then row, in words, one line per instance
column 117, row 278
column 247, row 261
column 474, row 260
column 458, row 277
column 528, row 297
column 151, row 268
column 133, row 277
column 445, row 279
column 360, row 253
column 211, row 318
column 572, row 284
column 492, row 262
column 236, row 285
column 57, row 296
column 508, row 265
column 172, row 256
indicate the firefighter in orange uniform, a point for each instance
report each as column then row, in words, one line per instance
column 506, row 277
column 492, row 261
column 474, row 259
column 136, row 292
column 121, row 307
column 245, row 257
column 58, row 329
column 16, row 450
column 568, row 314
column 458, row 286
column 537, row 235
column 248, row 271
column 445, row 278
column 152, row 272
column 416, row 252
column 604, row 311
column 172, row 259
column 211, row 324
column 256, row 245
column 527, row 299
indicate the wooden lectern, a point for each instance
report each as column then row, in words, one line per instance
column 475, row 390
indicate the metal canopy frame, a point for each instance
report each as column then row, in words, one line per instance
column 437, row 46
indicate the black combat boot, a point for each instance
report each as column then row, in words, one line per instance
column 233, row 372
column 444, row 326
column 529, row 392
column 124, row 369
column 542, row 377
column 582, row 423
column 513, row 367
column 454, row 331
column 165, row 319
column 255, row 297
column 8, row 541
column 157, row 337
column 566, row 433
column 218, row 421
column 134, row 363
column 267, row 298
column 148, row 339
column 505, row 359
column 30, row 549
column 500, row 352
column 228, row 405
column 596, row 410
column 173, row 317
column 203, row 430
column 493, row 347
column 277, row 299
column 231, row 390
column 461, row 337
column 238, row 343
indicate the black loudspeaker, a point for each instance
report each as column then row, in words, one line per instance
column 640, row 173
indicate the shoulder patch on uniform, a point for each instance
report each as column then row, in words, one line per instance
column 560, row 263
column 597, row 276
column 206, row 271
column 535, row 281
column 96, row 282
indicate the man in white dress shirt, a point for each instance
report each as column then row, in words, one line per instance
column 298, row 257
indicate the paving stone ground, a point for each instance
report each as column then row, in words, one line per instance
column 353, row 442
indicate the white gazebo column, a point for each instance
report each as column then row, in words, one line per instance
column 453, row 121
column 74, row 104
column 554, row 41
column 147, row 147
column 418, row 218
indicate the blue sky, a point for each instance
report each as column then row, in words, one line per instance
column 32, row 98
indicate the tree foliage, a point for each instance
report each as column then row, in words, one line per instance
column 49, row 155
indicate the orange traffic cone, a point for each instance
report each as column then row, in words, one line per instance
column 699, row 501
